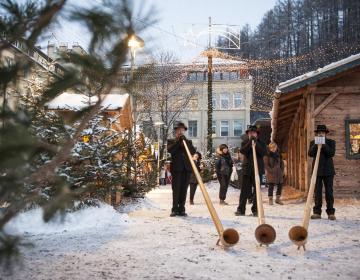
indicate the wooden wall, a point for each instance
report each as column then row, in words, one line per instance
column 329, row 103
column 346, row 105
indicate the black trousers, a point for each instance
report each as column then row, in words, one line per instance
column 329, row 194
column 271, row 189
column 180, row 183
column 246, row 190
column 193, row 187
column 224, row 184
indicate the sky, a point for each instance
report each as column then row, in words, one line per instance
column 182, row 24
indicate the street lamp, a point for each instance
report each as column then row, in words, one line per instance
column 159, row 124
column 134, row 43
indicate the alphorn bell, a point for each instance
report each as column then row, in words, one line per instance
column 265, row 234
column 228, row 237
column 298, row 234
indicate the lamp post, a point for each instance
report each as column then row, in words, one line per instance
column 158, row 124
column 134, row 43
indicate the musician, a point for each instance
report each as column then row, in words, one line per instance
column 223, row 166
column 248, row 168
column 180, row 169
column 325, row 174
column 193, row 182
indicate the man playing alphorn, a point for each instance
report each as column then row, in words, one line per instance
column 325, row 173
column 180, row 169
column 248, row 168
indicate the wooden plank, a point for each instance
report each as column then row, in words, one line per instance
column 325, row 103
column 340, row 89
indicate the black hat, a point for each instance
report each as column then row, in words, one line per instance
column 252, row 128
column 180, row 125
column 321, row 127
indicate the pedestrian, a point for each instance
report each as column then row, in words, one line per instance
column 325, row 174
column 180, row 169
column 223, row 167
column 274, row 171
column 248, row 168
column 163, row 175
column 193, row 181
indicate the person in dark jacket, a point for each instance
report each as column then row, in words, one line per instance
column 325, row 174
column 248, row 168
column 274, row 171
column 223, row 166
column 180, row 169
column 193, row 182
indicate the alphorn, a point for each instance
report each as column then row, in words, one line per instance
column 265, row 234
column 298, row 234
column 228, row 237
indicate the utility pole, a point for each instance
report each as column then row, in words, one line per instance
column 210, row 97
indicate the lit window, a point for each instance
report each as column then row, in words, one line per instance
column 352, row 132
column 192, row 129
column 224, row 128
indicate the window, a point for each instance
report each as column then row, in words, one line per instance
column 192, row 129
column 238, row 128
column 205, row 76
column 214, row 102
column 217, row 76
column 191, row 76
column 224, row 101
column 352, row 141
column 224, row 128
column 213, row 128
column 233, row 75
column 238, row 100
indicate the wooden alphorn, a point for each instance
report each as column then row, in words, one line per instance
column 228, row 237
column 298, row 234
column 265, row 234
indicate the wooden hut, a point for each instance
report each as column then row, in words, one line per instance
column 330, row 96
column 115, row 106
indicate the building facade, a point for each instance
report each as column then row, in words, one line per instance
column 232, row 90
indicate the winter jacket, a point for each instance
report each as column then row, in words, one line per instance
column 179, row 159
column 248, row 162
column 326, row 165
column 192, row 176
column 223, row 164
column 274, row 168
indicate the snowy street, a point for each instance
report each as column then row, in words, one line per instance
column 145, row 243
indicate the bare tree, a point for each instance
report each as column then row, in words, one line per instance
column 166, row 97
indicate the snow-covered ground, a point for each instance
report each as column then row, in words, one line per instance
column 141, row 241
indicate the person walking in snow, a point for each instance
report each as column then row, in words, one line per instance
column 325, row 174
column 180, row 169
column 248, row 168
column 193, row 182
column 274, row 171
column 223, row 167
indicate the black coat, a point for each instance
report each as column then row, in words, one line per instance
column 223, row 165
column 192, row 176
column 179, row 159
column 326, row 165
column 248, row 162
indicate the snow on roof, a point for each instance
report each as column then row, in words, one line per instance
column 78, row 102
column 320, row 73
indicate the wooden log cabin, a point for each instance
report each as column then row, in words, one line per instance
column 330, row 96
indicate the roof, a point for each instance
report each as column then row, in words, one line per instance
column 327, row 71
column 77, row 102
